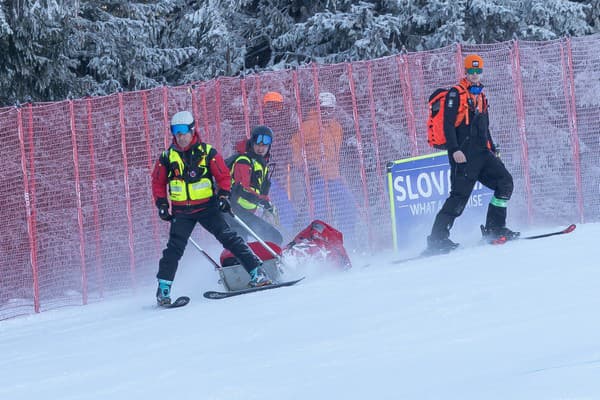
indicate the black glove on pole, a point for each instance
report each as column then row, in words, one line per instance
column 224, row 205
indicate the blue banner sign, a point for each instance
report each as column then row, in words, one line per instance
column 418, row 187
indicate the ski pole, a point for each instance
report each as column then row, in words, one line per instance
column 213, row 262
column 262, row 242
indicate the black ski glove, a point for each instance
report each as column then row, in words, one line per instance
column 224, row 205
column 163, row 209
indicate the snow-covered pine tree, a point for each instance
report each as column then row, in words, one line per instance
column 126, row 44
column 53, row 48
column 340, row 31
column 35, row 51
column 499, row 20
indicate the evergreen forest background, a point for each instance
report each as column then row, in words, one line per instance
column 54, row 49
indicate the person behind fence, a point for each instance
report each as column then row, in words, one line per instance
column 251, row 181
column 318, row 144
column 277, row 115
column 188, row 169
column 473, row 157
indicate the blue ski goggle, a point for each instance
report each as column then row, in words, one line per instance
column 472, row 71
column 180, row 129
column 263, row 139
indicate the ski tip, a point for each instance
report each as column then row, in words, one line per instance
column 570, row 228
column 179, row 302
column 214, row 295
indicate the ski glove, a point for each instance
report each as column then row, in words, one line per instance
column 163, row 210
column 266, row 204
column 224, row 205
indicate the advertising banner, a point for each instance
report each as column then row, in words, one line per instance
column 418, row 187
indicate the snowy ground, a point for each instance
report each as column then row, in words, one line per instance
column 519, row 321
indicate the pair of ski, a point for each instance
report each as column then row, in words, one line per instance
column 216, row 295
column 499, row 241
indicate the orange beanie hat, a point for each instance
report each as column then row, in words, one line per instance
column 273, row 96
column 473, row 61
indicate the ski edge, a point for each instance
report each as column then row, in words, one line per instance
column 216, row 295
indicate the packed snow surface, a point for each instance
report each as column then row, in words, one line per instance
column 519, row 321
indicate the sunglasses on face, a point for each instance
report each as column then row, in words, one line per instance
column 181, row 129
column 473, row 71
column 263, row 139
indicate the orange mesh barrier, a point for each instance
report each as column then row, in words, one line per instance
column 78, row 215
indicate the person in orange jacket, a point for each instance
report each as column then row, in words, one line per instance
column 317, row 146
column 185, row 174
column 277, row 115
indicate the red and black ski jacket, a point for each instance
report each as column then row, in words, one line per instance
column 194, row 158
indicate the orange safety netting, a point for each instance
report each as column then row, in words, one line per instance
column 78, row 217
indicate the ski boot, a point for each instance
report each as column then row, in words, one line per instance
column 258, row 278
column 163, row 293
column 495, row 234
column 439, row 246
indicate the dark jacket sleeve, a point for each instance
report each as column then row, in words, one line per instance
column 450, row 113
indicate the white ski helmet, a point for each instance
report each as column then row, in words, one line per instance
column 327, row 99
column 181, row 119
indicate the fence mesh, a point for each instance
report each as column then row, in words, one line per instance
column 79, row 220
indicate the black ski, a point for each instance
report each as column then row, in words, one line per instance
column 499, row 241
column 420, row 256
column 179, row 302
column 223, row 295
column 568, row 229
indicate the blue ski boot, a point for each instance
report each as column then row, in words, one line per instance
column 163, row 293
column 258, row 278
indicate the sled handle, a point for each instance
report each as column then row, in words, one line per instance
column 258, row 239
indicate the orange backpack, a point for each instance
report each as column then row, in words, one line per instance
column 435, row 122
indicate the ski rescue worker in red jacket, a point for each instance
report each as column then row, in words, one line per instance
column 184, row 174
column 473, row 157
column 251, row 182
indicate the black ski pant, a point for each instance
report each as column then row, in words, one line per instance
column 262, row 228
column 486, row 168
column 212, row 220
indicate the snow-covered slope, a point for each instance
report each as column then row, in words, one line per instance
column 519, row 321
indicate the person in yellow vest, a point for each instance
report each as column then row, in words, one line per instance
column 251, row 182
column 316, row 146
column 185, row 174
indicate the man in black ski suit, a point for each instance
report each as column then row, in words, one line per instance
column 473, row 157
